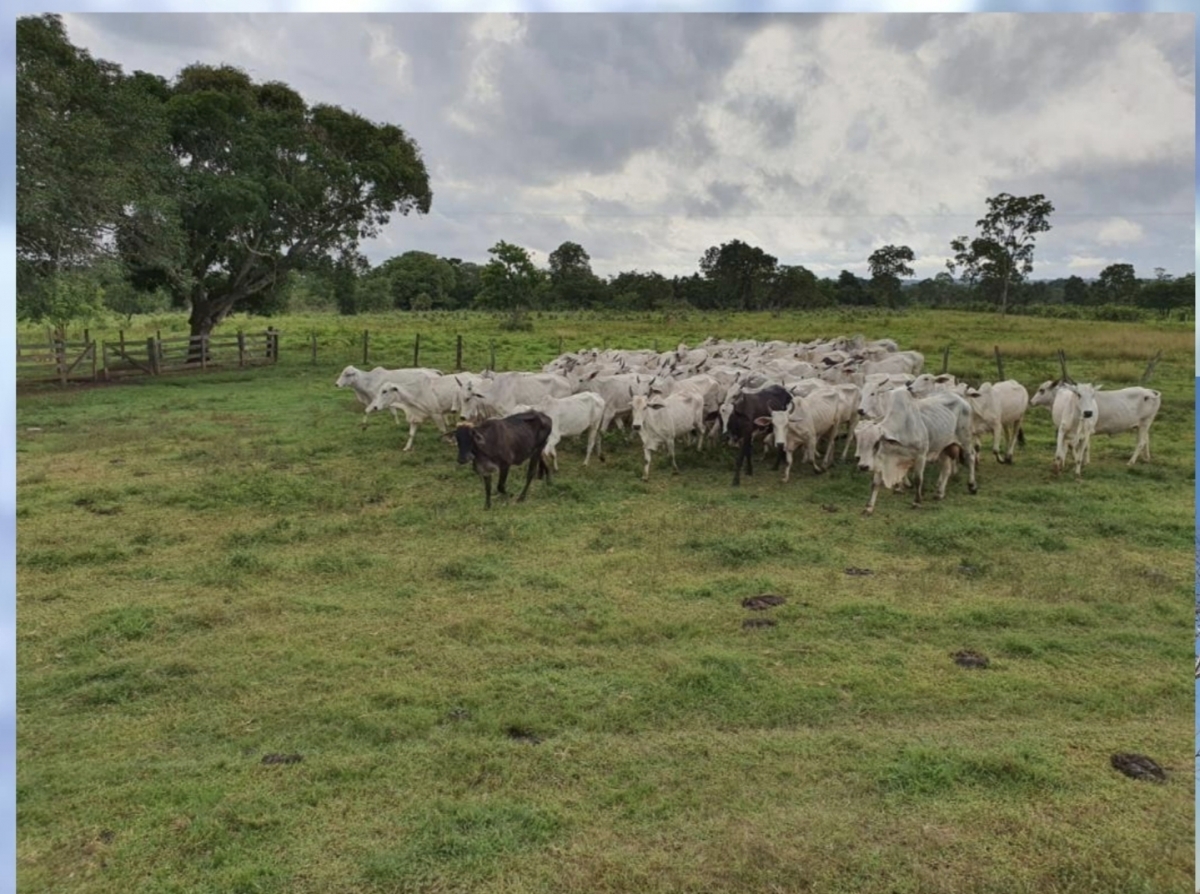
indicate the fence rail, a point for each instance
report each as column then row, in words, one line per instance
column 63, row 361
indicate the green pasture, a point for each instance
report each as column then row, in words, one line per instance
column 560, row 695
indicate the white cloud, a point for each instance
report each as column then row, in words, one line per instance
column 1119, row 231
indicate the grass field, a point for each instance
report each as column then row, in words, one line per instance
column 560, row 695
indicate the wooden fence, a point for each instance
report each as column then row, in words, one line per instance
column 63, row 361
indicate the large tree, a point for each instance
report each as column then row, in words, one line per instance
column 1002, row 254
column 86, row 140
column 741, row 274
column 510, row 280
column 418, row 280
column 572, row 282
column 888, row 264
column 266, row 184
column 1117, row 284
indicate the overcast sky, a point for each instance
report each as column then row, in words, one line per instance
column 819, row 138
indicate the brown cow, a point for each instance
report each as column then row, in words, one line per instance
column 496, row 444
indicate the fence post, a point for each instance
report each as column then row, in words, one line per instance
column 272, row 344
column 203, row 351
column 121, row 333
column 492, row 355
column 241, row 348
column 458, row 356
column 60, row 358
column 999, row 362
column 417, row 350
column 366, row 341
column 92, row 347
column 945, row 359
column 560, row 346
column 313, row 338
column 152, row 354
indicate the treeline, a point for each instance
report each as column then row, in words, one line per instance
column 733, row 276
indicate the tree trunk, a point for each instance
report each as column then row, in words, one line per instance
column 205, row 316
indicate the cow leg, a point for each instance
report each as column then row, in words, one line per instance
column 876, row 484
column 412, row 431
column 744, row 456
column 671, row 450
column 778, row 457
column 919, row 474
column 536, row 464
column 787, row 471
column 1138, row 449
column 500, row 486
column 828, row 460
column 593, row 433
column 1060, row 449
column 646, row 454
column 945, row 470
column 487, row 491
column 972, row 470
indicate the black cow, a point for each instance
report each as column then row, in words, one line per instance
column 496, row 444
column 748, row 406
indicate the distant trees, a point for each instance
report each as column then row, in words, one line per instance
column 888, row 264
column 741, row 274
column 509, row 281
column 572, row 283
column 1001, row 256
column 1117, row 284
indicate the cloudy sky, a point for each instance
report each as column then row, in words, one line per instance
column 647, row 138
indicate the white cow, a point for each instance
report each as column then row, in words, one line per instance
column 618, row 392
column 510, row 389
column 805, row 421
column 570, row 416
column 366, row 384
column 999, row 408
column 1116, row 412
column 915, row 431
column 661, row 420
column 419, row 402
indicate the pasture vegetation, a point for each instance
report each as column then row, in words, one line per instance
column 560, row 695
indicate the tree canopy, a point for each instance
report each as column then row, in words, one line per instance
column 1002, row 254
column 266, row 185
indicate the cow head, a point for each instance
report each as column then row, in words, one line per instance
column 1087, row 400
column 349, row 374
column 466, row 437
column 639, row 404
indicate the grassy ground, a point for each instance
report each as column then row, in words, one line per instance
column 560, row 695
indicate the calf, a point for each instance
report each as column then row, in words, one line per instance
column 496, row 444
column 744, row 412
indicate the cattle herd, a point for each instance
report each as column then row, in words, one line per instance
column 790, row 395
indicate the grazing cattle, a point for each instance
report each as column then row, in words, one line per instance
column 417, row 399
column 575, row 415
column 742, row 425
column 366, row 384
column 660, row 421
column 915, row 431
column 494, row 445
column 999, row 408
